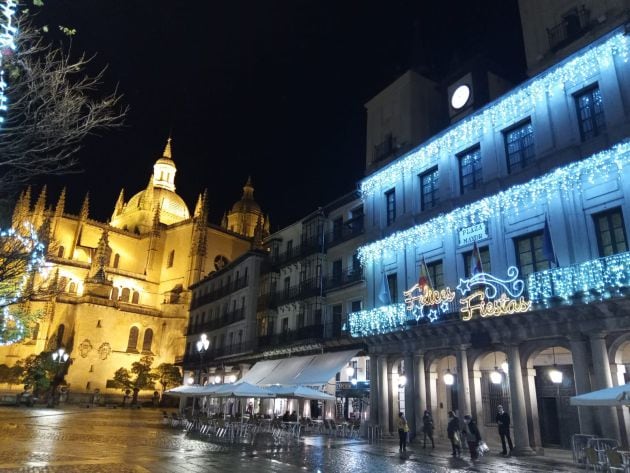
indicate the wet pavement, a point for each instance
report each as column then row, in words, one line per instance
column 79, row 440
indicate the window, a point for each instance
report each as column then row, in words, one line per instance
column 116, row 260
column 132, row 342
column 355, row 369
column 135, row 298
column 35, row 331
column 289, row 247
column 287, row 286
column 485, row 261
column 529, row 254
column 355, row 306
column 390, row 206
column 470, row 177
column 148, row 340
column 611, row 232
column 337, row 228
column 392, row 283
column 60, row 332
column 72, row 288
column 429, row 187
column 285, row 325
column 124, row 295
column 519, row 146
column 337, row 311
column 336, row 271
column 436, row 274
column 115, row 294
column 367, row 369
column 60, row 252
column 590, row 113
column 171, row 258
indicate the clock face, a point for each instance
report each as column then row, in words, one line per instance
column 460, row 96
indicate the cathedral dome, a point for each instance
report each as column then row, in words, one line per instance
column 246, row 215
column 172, row 207
column 247, row 204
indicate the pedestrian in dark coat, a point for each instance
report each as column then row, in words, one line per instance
column 473, row 436
column 503, row 421
column 454, row 435
column 427, row 428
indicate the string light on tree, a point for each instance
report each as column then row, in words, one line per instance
column 8, row 32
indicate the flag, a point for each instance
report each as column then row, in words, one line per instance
column 475, row 261
column 547, row 248
column 424, row 279
column 384, row 296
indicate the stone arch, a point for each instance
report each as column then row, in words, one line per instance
column 489, row 385
column 147, row 340
column 442, row 397
column 115, row 292
column 125, row 294
column 135, row 298
column 616, row 348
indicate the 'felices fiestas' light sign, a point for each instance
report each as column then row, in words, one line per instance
column 488, row 296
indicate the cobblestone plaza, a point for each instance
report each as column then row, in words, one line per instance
column 135, row 441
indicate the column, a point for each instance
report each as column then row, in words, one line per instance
column 602, row 379
column 410, row 396
column 374, row 387
column 463, row 391
column 517, row 397
column 582, row 381
column 533, row 421
column 383, row 394
column 420, row 388
column 392, row 392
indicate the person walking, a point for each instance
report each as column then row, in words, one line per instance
column 473, row 436
column 427, row 428
column 403, row 428
column 454, row 435
column 503, row 421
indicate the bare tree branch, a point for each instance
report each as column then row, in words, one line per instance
column 53, row 107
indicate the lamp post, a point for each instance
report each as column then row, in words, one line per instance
column 202, row 346
column 59, row 357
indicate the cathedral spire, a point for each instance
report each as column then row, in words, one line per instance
column 40, row 205
column 61, row 203
column 167, row 149
column 120, row 202
column 198, row 207
column 85, row 208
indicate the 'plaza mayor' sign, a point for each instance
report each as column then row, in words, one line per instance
column 468, row 235
column 482, row 295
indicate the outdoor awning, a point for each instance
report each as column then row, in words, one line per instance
column 300, row 392
column 242, row 389
column 186, row 391
column 312, row 370
column 615, row 396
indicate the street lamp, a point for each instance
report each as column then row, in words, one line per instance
column 202, row 346
column 402, row 380
column 555, row 374
column 350, row 371
column 449, row 379
column 496, row 376
column 60, row 356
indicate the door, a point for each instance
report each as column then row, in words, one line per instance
column 549, row 421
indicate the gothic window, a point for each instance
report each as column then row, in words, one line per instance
column 171, row 258
column 132, row 343
column 135, row 298
column 60, row 252
column 60, row 332
column 148, row 340
column 116, row 260
column 35, row 331
column 124, row 295
column 72, row 288
column 115, row 294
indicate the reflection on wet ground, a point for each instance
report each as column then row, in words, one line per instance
column 76, row 440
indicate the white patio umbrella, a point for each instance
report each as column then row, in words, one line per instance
column 242, row 390
column 186, row 391
column 300, row 392
column 615, row 396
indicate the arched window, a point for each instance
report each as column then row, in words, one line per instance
column 115, row 294
column 72, row 288
column 35, row 331
column 132, row 343
column 60, row 251
column 148, row 340
column 135, row 298
column 60, row 331
column 124, row 295
column 116, row 260
column 171, row 258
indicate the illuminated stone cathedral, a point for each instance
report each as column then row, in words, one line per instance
column 121, row 288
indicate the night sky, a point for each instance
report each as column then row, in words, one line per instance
column 275, row 89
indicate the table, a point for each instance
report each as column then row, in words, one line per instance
column 319, row 424
column 625, row 457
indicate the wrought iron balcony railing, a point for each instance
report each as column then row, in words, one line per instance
column 344, row 279
column 345, row 232
column 217, row 294
column 569, row 29
column 309, row 332
column 222, row 321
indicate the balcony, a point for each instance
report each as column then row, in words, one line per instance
column 349, row 229
column 342, row 280
column 304, row 290
column 569, row 29
column 309, row 332
column 197, row 360
column 217, row 294
column 595, row 279
column 308, row 247
column 222, row 321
